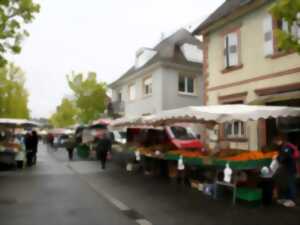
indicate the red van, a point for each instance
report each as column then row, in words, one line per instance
column 178, row 137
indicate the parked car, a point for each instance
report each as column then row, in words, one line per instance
column 118, row 137
column 177, row 137
column 60, row 141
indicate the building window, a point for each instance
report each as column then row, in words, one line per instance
column 132, row 92
column 234, row 129
column 231, row 50
column 186, row 85
column 269, row 24
column 147, row 86
column 119, row 96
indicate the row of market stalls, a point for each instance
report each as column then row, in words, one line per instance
column 203, row 166
column 13, row 131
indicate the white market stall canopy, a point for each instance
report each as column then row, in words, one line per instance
column 127, row 122
column 17, row 123
column 61, row 131
column 214, row 113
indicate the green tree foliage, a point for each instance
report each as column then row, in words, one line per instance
column 13, row 94
column 289, row 10
column 14, row 14
column 65, row 114
column 90, row 95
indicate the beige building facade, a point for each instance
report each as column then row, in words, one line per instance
column 242, row 65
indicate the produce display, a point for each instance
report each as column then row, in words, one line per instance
column 229, row 155
column 154, row 149
column 251, row 155
column 238, row 159
column 187, row 153
column 10, row 147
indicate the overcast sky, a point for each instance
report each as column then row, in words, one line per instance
column 95, row 35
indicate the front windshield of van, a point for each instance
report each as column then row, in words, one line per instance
column 182, row 133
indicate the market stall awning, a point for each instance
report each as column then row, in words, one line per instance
column 61, row 131
column 127, row 122
column 210, row 114
column 100, row 123
column 17, row 123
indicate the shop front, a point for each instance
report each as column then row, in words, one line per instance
column 205, row 167
column 287, row 95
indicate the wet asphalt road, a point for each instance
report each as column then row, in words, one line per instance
column 51, row 193
column 59, row 192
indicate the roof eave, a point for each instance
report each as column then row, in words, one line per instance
column 205, row 28
column 192, row 65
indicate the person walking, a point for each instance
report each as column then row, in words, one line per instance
column 35, row 144
column 103, row 147
column 70, row 145
column 29, row 148
column 286, row 173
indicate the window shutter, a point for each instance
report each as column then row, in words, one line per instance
column 295, row 30
column 298, row 27
column 226, row 51
column 268, row 35
column 285, row 26
column 233, row 49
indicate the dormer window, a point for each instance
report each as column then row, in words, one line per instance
column 143, row 56
column 192, row 53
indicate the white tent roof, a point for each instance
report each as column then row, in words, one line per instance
column 60, row 131
column 215, row 113
column 126, row 122
column 17, row 122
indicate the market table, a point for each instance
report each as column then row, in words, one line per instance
column 220, row 163
column 7, row 157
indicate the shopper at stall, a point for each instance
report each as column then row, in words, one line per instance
column 286, row 174
column 103, row 148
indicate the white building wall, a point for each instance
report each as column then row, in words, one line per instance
column 172, row 99
column 164, row 96
column 144, row 105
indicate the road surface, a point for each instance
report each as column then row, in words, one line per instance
column 59, row 192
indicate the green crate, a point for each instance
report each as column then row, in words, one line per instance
column 249, row 194
column 83, row 151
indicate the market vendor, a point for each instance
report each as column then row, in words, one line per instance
column 285, row 176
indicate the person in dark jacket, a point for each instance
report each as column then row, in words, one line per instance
column 286, row 173
column 103, row 147
column 70, row 145
column 29, row 148
column 35, row 143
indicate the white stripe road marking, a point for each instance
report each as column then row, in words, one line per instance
column 120, row 205
column 143, row 222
